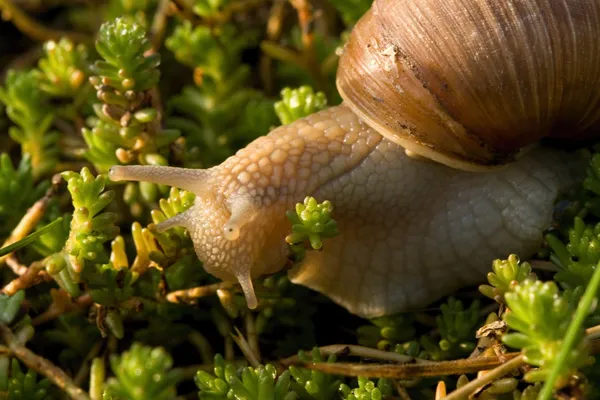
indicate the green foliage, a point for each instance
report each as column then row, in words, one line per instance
column 102, row 140
column 221, row 113
column 208, row 8
column 367, row 390
column 29, row 238
column 90, row 226
column 63, row 70
column 280, row 316
column 142, row 373
column 312, row 222
column 9, row 306
column 299, row 103
column 125, row 128
column 577, row 258
column 21, row 386
column 74, row 336
column 311, row 384
column 592, row 180
column 29, row 109
column 387, row 331
column 456, row 326
column 500, row 388
column 109, row 285
column 123, row 45
column 137, row 11
column 122, row 78
column 261, row 383
column 216, row 122
column 531, row 392
column 216, row 53
column 174, row 239
column 351, row 10
column 53, row 241
column 541, row 315
column 507, row 273
column 17, row 191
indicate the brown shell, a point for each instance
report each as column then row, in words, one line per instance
column 470, row 83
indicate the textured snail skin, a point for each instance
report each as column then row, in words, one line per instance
column 411, row 230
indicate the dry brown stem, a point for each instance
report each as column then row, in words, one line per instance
column 242, row 343
column 235, row 7
column 33, row 215
column 31, row 277
column 188, row 295
column 409, row 371
column 402, row 392
column 41, row 365
column 31, row 28
column 86, row 365
column 159, row 23
column 251, row 334
column 273, row 33
column 359, row 351
column 306, row 19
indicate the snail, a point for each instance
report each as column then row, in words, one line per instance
column 431, row 161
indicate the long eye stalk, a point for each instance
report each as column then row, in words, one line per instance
column 183, row 178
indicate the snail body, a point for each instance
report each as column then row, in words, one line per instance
column 411, row 230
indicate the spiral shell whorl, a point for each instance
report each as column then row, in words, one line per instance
column 471, row 82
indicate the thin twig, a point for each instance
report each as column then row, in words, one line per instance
column 593, row 333
column 199, row 341
column 471, row 387
column 488, row 377
column 14, row 264
column 251, row 334
column 182, row 9
column 408, row 371
column 86, row 365
column 273, row 33
column 188, row 295
column 42, row 365
column 159, row 23
column 234, row 8
column 228, row 352
column 242, row 343
column 402, row 392
column 32, row 217
column 30, row 278
column 306, row 19
column 359, row 351
column 34, row 30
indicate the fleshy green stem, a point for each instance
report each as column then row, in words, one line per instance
column 571, row 336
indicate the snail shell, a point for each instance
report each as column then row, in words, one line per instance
column 470, row 83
